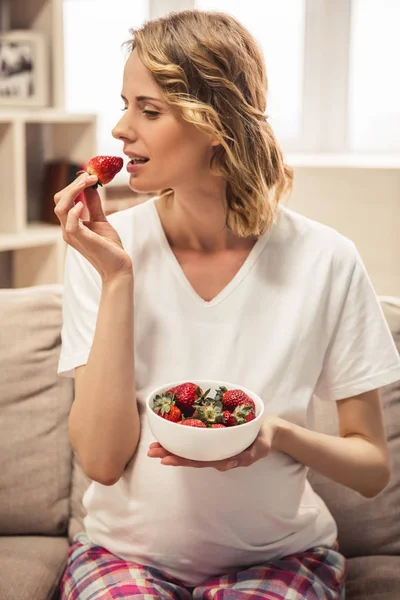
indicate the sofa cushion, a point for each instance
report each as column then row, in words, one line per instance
column 367, row 526
column 31, row 566
column 373, row 578
column 35, row 474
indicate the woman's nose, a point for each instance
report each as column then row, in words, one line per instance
column 117, row 131
column 121, row 130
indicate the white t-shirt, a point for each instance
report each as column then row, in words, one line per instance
column 300, row 317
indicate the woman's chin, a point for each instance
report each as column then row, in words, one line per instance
column 139, row 189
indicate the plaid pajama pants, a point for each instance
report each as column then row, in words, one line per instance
column 93, row 573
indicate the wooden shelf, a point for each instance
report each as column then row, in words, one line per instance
column 46, row 115
column 36, row 234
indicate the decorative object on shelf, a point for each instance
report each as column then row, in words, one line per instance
column 24, row 69
column 57, row 175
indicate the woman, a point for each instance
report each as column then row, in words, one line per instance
column 213, row 278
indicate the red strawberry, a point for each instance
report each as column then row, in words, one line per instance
column 193, row 423
column 233, row 398
column 186, row 395
column 105, row 168
column 164, row 406
column 173, row 414
column 217, row 426
column 228, row 419
column 243, row 414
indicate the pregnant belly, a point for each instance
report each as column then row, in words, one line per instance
column 200, row 521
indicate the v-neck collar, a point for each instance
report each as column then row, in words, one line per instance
column 177, row 269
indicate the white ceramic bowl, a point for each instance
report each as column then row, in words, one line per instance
column 197, row 443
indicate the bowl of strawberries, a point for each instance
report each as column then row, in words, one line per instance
column 204, row 420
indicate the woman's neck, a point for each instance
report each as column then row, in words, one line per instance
column 199, row 226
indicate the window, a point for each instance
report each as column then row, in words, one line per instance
column 94, row 61
column 279, row 28
column 374, row 82
column 331, row 66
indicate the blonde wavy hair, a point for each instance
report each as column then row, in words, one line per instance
column 211, row 71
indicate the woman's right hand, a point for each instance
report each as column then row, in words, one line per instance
column 95, row 238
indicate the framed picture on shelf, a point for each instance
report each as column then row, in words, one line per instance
column 24, row 69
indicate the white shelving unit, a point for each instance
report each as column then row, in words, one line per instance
column 29, row 137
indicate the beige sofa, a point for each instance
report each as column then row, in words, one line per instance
column 41, row 482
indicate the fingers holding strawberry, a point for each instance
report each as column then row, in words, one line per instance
column 95, row 238
column 65, row 199
column 104, row 169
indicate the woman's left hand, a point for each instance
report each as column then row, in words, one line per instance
column 258, row 449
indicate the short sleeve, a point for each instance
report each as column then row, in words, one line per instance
column 81, row 300
column 361, row 354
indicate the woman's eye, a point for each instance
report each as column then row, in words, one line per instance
column 151, row 114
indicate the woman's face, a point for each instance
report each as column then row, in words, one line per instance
column 179, row 153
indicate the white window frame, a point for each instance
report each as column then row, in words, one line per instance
column 326, row 76
column 324, row 126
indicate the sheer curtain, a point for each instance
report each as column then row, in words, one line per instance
column 94, row 31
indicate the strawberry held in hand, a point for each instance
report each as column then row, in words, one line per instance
column 104, row 167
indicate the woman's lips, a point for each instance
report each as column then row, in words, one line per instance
column 132, row 167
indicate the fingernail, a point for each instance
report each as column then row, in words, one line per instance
column 232, row 464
